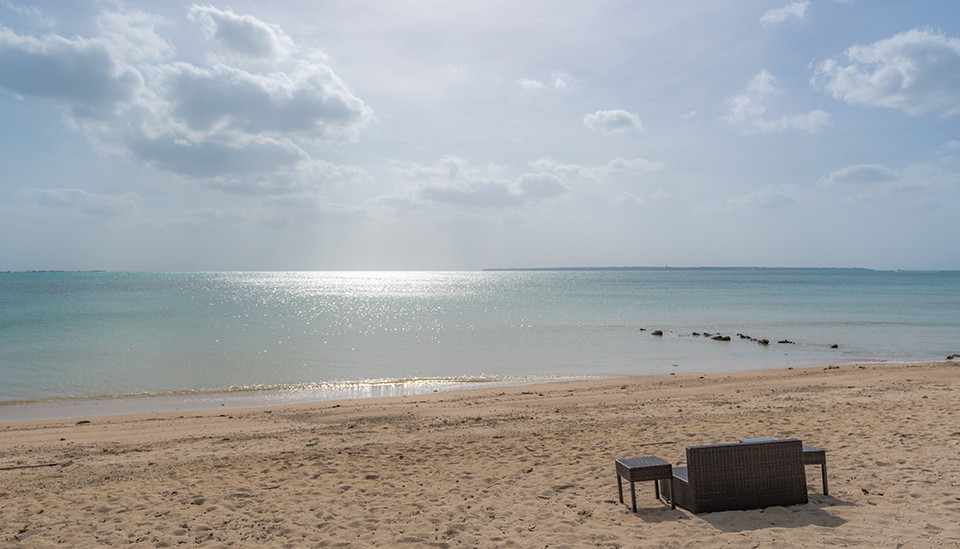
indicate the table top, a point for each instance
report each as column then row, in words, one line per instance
column 645, row 461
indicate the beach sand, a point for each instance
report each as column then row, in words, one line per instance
column 529, row 466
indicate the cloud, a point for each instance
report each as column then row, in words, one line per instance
column 81, row 75
column 617, row 166
column 949, row 148
column 771, row 196
column 859, row 174
column 99, row 206
column 529, row 84
column 559, row 80
column 563, row 80
column 453, row 181
column 227, row 125
column 210, row 158
column 133, row 35
column 32, row 13
column 748, row 108
column 917, row 71
column 541, row 185
column 778, row 15
column 242, row 34
column 615, row 121
column 311, row 101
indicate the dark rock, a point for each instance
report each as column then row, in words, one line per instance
column 834, row 346
column 764, row 342
column 657, row 333
column 785, row 341
column 720, row 338
column 697, row 334
column 951, row 357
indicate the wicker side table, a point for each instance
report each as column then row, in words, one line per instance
column 644, row 468
column 816, row 456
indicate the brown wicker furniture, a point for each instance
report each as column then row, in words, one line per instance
column 645, row 468
column 746, row 475
column 811, row 456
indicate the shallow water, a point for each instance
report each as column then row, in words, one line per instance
column 91, row 335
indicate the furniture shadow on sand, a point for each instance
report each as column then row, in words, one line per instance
column 794, row 516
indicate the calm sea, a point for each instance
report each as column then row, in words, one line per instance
column 67, row 338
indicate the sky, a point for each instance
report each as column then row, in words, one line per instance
column 438, row 135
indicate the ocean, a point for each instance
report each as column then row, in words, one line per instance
column 76, row 343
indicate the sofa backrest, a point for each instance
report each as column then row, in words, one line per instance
column 746, row 475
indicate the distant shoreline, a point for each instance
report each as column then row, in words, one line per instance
column 45, row 272
column 668, row 268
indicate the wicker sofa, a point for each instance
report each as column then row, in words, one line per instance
column 748, row 475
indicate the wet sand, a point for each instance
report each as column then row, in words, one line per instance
column 528, row 466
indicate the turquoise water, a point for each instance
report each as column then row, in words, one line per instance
column 91, row 335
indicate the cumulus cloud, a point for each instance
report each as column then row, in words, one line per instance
column 771, row 196
column 134, row 37
column 454, row 181
column 615, row 121
column 311, row 101
column 859, row 174
column 81, row 75
column 221, row 123
column 530, row 84
column 541, row 185
column 563, row 80
column 241, row 34
column 917, row 71
column 747, row 110
column 778, row 15
column 98, row 206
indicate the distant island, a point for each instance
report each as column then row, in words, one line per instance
column 39, row 272
column 668, row 268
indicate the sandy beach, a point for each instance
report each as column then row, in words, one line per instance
column 529, row 466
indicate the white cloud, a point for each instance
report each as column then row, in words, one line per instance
column 949, row 148
column 747, row 110
column 778, row 15
column 859, row 174
column 242, row 34
column 80, row 74
column 530, row 84
column 617, row 166
column 229, row 127
column 541, row 185
column 133, row 34
column 453, row 181
column 917, row 71
column 563, row 80
column 689, row 115
column 771, row 196
column 98, row 206
column 311, row 101
column 615, row 121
